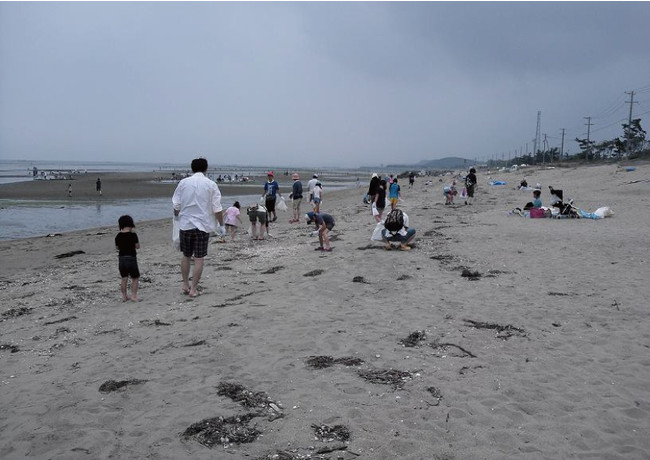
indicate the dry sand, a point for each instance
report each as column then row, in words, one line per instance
column 561, row 371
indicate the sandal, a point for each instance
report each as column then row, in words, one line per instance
column 319, row 248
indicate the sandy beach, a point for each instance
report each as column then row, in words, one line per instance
column 360, row 353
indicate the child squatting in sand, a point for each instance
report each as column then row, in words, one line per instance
column 126, row 242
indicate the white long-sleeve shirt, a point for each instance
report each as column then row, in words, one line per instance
column 197, row 199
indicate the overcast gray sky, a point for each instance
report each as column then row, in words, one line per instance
column 314, row 84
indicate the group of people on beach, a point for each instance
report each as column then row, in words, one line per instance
column 198, row 212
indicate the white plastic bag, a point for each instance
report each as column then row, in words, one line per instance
column 376, row 233
column 176, row 233
column 282, row 206
column 603, row 212
column 375, row 211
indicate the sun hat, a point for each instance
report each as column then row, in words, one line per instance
column 295, row 176
column 315, row 176
column 270, row 173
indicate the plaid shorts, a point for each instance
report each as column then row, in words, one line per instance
column 194, row 243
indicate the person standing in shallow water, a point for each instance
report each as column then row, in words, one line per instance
column 98, row 186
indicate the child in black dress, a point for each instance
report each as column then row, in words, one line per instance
column 126, row 243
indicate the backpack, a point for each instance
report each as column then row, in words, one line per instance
column 394, row 221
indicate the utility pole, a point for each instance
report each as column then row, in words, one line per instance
column 537, row 132
column 588, row 124
column 545, row 149
column 562, row 147
column 631, row 102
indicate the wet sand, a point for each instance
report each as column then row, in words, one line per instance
column 122, row 185
column 357, row 353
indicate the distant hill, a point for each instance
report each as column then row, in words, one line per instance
column 442, row 163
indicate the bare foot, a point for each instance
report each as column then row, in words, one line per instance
column 194, row 294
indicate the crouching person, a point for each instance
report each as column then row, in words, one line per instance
column 324, row 223
column 396, row 229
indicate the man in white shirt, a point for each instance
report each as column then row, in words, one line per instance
column 197, row 201
column 310, row 186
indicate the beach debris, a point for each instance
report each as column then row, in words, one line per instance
column 114, row 385
column 349, row 361
column 68, row 254
column 503, row 332
column 50, row 235
column 556, row 324
column 10, row 347
column 247, row 398
column 330, row 449
column 322, row 362
column 403, row 277
column 316, row 272
column 436, row 394
column 392, row 377
column 62, row 320
column 559, row 294
column 442, row 257
column 465, row 369
column 74, row 287
column 495, row 273
column 155, row 322
column 445, row 348
column 328, row 433
column 236, row 298
column 198, row 343
column 16, row 312
column 470, row 275
column 285, row 455
column 223, row 431
column 369, row 246
column 413, row 339
column 273, row 270
column 359, row 279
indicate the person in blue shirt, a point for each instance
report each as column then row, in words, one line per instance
column 271, row 192
column 394, row 193
column 536, row 203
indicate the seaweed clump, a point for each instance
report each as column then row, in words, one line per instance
column 223, row 430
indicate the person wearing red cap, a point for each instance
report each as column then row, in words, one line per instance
column 296, row 197
column 271, row 192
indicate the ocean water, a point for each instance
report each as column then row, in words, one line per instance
column 24, row 219
column 30, row 218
